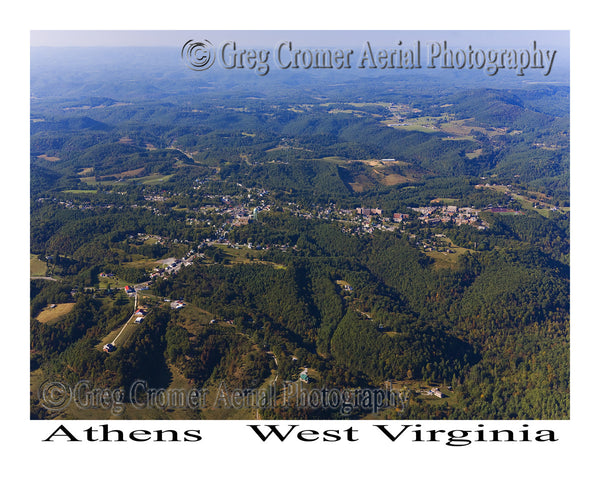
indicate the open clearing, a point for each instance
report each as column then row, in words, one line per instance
column 194, row 319
column 111, row 282
column 446, row 259
column 124, row 332
column 382, row 163
column 445, row 200
column 359, row 104
column 49, row 159
column 362, row 183
column 37, row 268
column 80, row 191
column 154, row 179
column 86, row 171
column 395, row 179
column 128, row 177
column 474, row 154
column 129, row 173
column 246, row 255
column 380, row 176
column 52, row 314
column 458, row 129
column 528, row 199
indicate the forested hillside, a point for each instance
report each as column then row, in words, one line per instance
column 363, row 234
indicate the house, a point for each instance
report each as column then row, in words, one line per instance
column 109, row 347
column 436, row 391
column 304, row 375
column 140, row 313
column 399, row 217
column 129, row 290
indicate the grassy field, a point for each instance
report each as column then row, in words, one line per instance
column 128, row 327
column 474, row 154
column 457, row 129
column 358, row 113
column 52, row 315
column 151, row 241
column 334, row 159
column 543, row 208
column 193, row 319
column 110, row 282
column 528, row 199
column 86, row 171
column 245, row 255
column 127, row 332
column 415, row 128
column 445, row 259
column 374, row 162
column 445, row 200
column 369, row 104
column 80, row 191
column 395, row 179
column 360, row 104
column 140, row 261
column 238, row 255
column 37, row 268
column 456, row 139
column 49, row 159
column 380, row 173
column 362, row 183
column 152, row 179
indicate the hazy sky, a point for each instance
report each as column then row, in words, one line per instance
column 495, row 38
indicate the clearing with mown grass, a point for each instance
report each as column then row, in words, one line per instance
column 48, row 158
column 37, row 267
column 51, row 314
column 122, row 334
